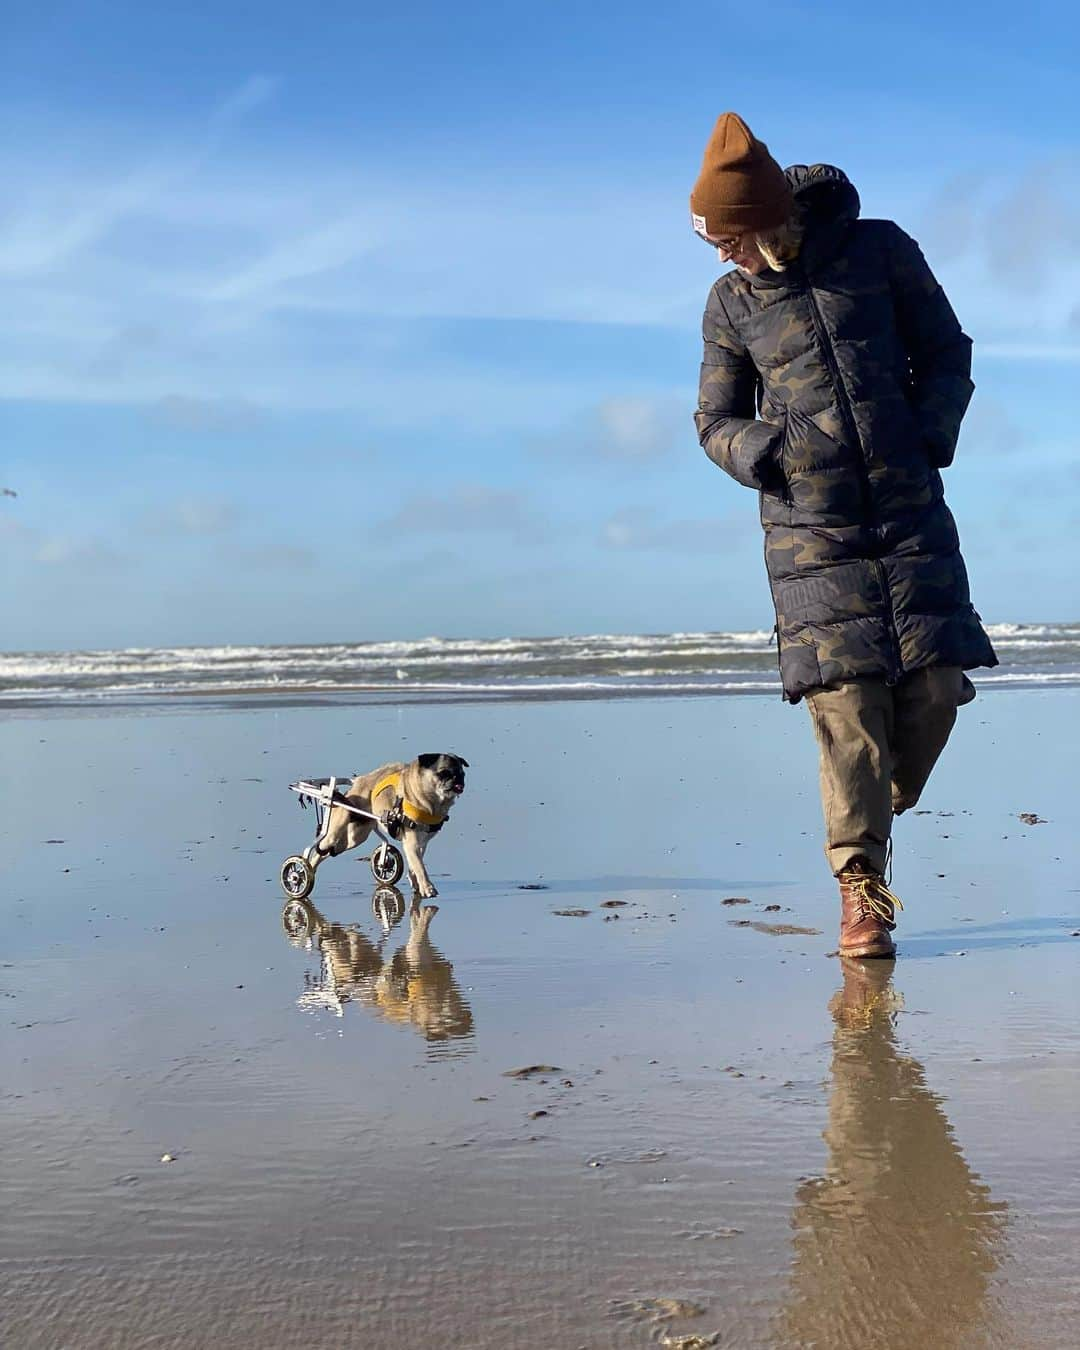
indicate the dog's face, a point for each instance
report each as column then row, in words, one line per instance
column 443, row 777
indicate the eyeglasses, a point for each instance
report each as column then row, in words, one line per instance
column 727, row 248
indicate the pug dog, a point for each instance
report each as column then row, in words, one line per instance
column 415, row 985
column 415, row 800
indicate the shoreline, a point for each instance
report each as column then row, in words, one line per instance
column 373, row 695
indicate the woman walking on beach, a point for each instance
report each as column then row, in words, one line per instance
column 834, row 380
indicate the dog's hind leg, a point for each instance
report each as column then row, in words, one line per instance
column 357, row 831
column 339, row 837
column 315, row 853
column 331, row 837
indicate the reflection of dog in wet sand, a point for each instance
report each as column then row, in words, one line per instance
column 415, row 799
column 413, row 986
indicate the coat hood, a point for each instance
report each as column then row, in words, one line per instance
column 826, row 206
column 823, row 194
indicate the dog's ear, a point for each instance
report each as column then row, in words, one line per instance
column 427, row 761
column 463, row 762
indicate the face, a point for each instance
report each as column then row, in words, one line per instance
column 446, row 774
column 741, row 249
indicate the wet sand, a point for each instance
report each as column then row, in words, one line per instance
column 722, row 1135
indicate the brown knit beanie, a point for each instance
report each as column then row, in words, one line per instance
column 741, row 187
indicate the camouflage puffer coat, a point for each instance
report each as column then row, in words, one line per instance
column 857, row 369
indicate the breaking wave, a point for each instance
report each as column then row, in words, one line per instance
column 432, row 668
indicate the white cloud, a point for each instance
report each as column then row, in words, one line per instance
column 244, row 280
column 252, row 94
column 25, row 548
column 194, row 273
column 467, row 508
column 628, row 429
column 950, row 225
column 71, row 549
column 1030, row 351
column 72, row 214
column 989, row 428
column 193, row 515
column 638, row 429
column 207, row 414
column 640, row 528
column 1007, row 246
column 45, row 235
column 300, row 258
column 275, row 553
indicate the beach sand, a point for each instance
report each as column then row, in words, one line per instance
column 734, row 1137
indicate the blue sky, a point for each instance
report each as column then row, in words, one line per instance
column 339, row 322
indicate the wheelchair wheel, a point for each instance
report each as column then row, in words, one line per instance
column 297, row 920
column 297, row 877
column 388, row 906
column 387, row 865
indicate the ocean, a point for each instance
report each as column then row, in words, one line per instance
column 1032, row 655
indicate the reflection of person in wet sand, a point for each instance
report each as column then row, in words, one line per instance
column 414, row 985
column 896, row 1245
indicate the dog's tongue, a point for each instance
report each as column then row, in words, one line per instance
column 459, row 787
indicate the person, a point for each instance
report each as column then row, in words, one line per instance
column 834, row 379
column 895, row 1184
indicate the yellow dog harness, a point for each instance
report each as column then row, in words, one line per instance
column 410, row 812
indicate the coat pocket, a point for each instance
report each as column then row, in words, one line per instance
column 777, row 485
column 807, row 447
column 823, row 477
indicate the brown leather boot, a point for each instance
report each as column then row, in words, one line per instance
column 867, row 1001
column 866, row 911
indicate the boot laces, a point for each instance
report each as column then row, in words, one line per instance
column 874, row 897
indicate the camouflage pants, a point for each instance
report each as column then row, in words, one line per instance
column 878, row 744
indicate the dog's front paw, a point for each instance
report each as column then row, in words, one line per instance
column 424, row 889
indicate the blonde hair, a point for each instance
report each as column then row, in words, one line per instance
column 780, row 246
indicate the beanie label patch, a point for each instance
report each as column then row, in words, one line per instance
column 698, row 222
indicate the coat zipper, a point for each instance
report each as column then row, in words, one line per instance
column 869, row 509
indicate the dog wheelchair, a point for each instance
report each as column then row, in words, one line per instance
column 301, row 921
column 350, row 963
column 298, row 870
